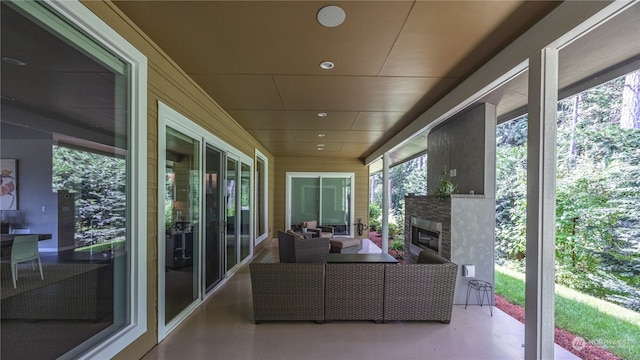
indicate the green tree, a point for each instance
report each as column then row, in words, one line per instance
column 98, row 182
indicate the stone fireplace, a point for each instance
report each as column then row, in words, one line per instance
column 433, row 212
column 466, row 225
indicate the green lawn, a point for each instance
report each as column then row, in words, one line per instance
column 604, row 324
column 114, row 244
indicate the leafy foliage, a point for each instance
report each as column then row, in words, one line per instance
column 98, row 182
column 375, row 217
column 597, row 196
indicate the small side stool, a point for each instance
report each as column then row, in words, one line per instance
column 483, row 289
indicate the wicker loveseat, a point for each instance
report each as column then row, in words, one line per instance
column 378, row 292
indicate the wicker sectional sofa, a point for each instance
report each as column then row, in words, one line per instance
column 378, row 292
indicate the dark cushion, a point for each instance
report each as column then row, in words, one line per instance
column 429, row 257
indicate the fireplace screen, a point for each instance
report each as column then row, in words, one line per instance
column 426, row 234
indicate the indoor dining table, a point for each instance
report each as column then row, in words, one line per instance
column 6, row 240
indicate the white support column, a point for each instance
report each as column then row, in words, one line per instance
column 541, row 205
column 386, row 200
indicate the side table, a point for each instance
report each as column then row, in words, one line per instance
column 483, row 289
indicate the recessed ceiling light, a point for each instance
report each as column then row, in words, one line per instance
column 331, row 16
column 13, row 61
column 322, row 114
column 321, row 135
column 327, row 65
column 320, row 145
column 320, row 149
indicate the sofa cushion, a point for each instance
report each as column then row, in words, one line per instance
column 297, row 235
column 344, row 242
column 430, row 257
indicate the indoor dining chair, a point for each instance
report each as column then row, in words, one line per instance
column 24, row 248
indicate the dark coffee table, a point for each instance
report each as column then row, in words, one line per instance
column 361, row 258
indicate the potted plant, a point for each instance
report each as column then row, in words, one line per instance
column 445, row 187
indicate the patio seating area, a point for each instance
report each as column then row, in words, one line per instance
column 224, row 322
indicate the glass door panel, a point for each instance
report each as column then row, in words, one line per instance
column 181, row 220
column 260, row 196
column 336, row 204
column 245, row 211
column 325, row 197
column 305, row 200
column 213, row 207
column 231, row 213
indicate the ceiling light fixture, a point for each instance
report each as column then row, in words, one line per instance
column 321, row 135
column 320, row 145
column 13, row 61
column 327, row 65
column 322, row 114
column 331, row 16
column 320, row 149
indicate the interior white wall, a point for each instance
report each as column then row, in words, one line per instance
column 37, row 204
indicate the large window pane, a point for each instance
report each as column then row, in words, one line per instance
column 336, row 203
column 213, row 206
column 68, row 134
column 305, row 199
column 245, row 211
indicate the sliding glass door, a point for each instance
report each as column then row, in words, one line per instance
column 206, row 218
column 238, row 211
column 325, row 197
column 213, row 255
column 182, row 204
column 231, row 212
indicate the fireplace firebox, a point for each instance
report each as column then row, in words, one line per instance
column 426, row 234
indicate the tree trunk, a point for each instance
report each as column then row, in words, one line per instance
column 574, row 123
column 630, row 113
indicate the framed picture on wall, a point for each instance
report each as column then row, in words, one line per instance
column 8, row 184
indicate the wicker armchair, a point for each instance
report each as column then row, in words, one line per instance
column 287, row 291
column 421, row 291
column 294, row 249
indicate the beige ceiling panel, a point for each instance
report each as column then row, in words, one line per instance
column 449, row 38
column 340, row 136
column 266, row 119
column 379, row 120
column 265, row 136
column 359, row 148
column 592, row 53
column 307, row 149
column 348, row 93
column 241, row 91
column 284, row 35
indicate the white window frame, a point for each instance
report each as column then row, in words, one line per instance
column 96, row 29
